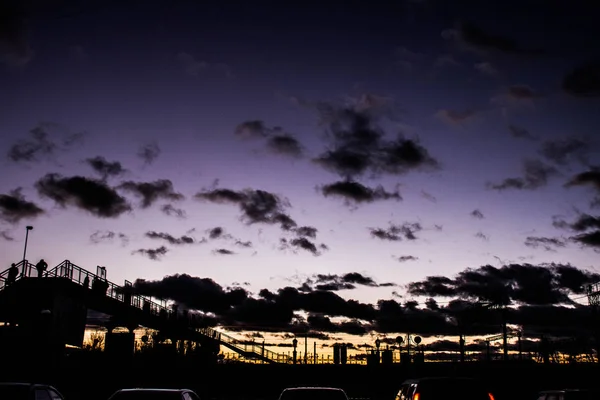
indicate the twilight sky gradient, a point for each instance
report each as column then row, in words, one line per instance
column 417, row 137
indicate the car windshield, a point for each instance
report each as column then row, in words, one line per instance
column 465, row 389
column 313, row 394
column 146, row 395
column 14, row 392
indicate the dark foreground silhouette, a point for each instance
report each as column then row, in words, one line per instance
column 97, row 376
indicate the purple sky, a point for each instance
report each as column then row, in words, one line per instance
column 480, row 124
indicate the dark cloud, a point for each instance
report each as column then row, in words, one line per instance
column 469, row 36
column 151, row 192
column 563, row 151
column 588, row 228
column 331, row 282
column 548, row 244
column 5, row 235
column 252, row 129
column 584, row 80
column 482, row 236
column 301, row 243
column 536, row 175
column 521, row 133
column 353, row 192
column 397, row 232
column 40, row 146
column 149, row 152
column 278, row 311
column 306, row 231
column 108, row 236
column 216, row 232
column 477, row 214
column 358, row 145
column 14, row 207
column 223, row 252
column 277, row 141
column 105, row 168
column 428, row 196
column 591, row 177
column 406, row 258
column 257, row 206
column 526, row 284
column 90, row 195
column 454, row 117
column 170, row 238
column 171, row 210
column 285, row 144
column 153, row 254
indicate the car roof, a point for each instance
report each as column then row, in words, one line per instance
column 437, row 378
column 152, row 390
column 313, row 388
column 23, row 384
column 563, row 391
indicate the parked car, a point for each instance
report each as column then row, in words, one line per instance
column 443, row 388
column 28, row 391
column 154, row 394
column 568, row 394
column 313, row 393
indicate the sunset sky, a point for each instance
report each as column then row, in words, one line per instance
column 261, row 145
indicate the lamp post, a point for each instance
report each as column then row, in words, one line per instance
column 377, row 344
column 27, row 229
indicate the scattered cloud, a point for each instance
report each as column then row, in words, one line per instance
column 354, row 192
column 477, row 214
column 40, row 146
column 357, row 145
column 108, row 236
column 455, row 118
column 153, row 254
column 256, row 206
column 151, row 192
column 521, row 133
column 171, row 210
column 471, row 37
column 521, row 283
column 170, row 238
column 14, row 207
column 548, row 244
column 564, row 151
column 105, row 168
column 403, row 259
column 93, row 196
column 396, row 233
column 536, row 175
column 223, row 252
column 5, row 235
column 149, row 153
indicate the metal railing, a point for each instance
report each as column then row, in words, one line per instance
column 25, row 269
column 255, row 349
column 103, row 287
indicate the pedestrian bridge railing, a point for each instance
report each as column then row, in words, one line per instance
column 126, row 294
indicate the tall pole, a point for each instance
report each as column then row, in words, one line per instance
column 305, row 348
column 27, row 229
column 315, row 352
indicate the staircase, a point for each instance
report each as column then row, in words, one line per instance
column 80, row 276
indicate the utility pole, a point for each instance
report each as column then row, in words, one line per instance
column 315, row 352
column 27, row 229
column 593, row 295
column 306, row 348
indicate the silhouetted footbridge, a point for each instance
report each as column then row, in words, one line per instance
column 58, row 302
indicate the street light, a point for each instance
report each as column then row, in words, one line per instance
column 27, row 229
